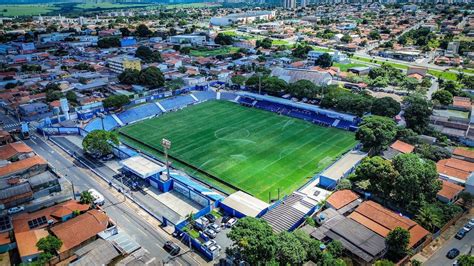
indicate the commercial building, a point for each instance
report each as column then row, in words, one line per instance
column 243, row 18
column 291, row 75
column 120, row 63
column 340, row 169
column 195, row 40
column 288, row 4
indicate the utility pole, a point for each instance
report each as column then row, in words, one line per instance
column 259, row 83
column 166, row 146
column 102, row 116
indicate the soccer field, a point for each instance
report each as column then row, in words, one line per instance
column 254, row 150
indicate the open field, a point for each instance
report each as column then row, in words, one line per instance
column 345, row 67
column 256, row 151
column 26, row 10
column 213, row 52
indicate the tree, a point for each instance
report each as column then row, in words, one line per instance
column 238, row 79
column 151, row 77
column 147, row 55
column 71, row 96
column 432, row 152
column 466, row 260
column 125, row 32
column 324, row 61
column 466, row 198
column 397, row 242
column 384, row 263
column 49, row 244
column 311, row 245
column 335, row 248
column 143, row 31
column 346, row 38
column 450, row 86
column 444, row 97
column 253, row 238
column 224, row 39
column 86, row 197
column 304, row 88
column 116, row 101
column 52, row 95
column 376, row 132
column 129, row 76
column 265, row 43
column 301, row 51
column 274, row 85
column 417, row 112
column 108, row 42
column 100, row 142
column 417, row 183
column 344, row 184
column 379, row 173
column 289, row 250
column 429, row 217
column 385, row 106
column 410, row 84
column 374, row 35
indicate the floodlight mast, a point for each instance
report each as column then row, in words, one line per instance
column 166, row 146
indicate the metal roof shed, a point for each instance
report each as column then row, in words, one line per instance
column 142, row 166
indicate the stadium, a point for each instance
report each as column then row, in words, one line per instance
column 265, row 146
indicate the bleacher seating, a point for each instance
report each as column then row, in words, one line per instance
column 205, row 95
column 229, row 96
column 307, row 115
column 139, row 112
column 96, row 123
column 177, row 102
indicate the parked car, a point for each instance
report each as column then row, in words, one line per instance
column 16, row 210
column 467, row 227
column 461, row 234
column 231, row 222
column 215, row 248
column 98, row 198
column 210, row 217
column 171, row 248
column 215, row 227
column 210, row 233
column 453, row 253
column 471, row 222
column 209, row 243
column 225, row 219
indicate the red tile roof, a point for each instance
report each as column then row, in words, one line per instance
column 402, row 147
column 10, row 150
column 464, row 153
column 341, row 198
column 449, row 190
column 381, row 220
column 22, row 165
column 80, row 229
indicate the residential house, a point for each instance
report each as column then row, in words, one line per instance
column 454, row 170
column 397, row 148
column 15, row 151
column 343, row 201
column 25, row 168
column 449, row 192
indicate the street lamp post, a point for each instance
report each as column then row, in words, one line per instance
column 102, row 116
column 166, row 146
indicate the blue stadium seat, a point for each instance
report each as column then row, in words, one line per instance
column 139, row 112
column 205, row 95
column 96, row 123
column 177, row 102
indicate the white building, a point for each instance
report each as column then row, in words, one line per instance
column 188, row 39
column 242, row 18
column 119, row 63
column 289, row 4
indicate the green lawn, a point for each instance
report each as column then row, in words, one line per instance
column 108, row 5
column 278, row 42
column 345, row 67
column 257, row 151
column 213, row 52
column 26, row 10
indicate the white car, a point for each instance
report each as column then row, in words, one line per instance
column 98, row 198
column 209, row 244
column 471, row 222
column 231, row 222
column 215, row 227
column 16, row 210
column 215, row 248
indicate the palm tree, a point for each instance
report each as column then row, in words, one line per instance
column 428, row 218
column 86, row 197
column 460, row 76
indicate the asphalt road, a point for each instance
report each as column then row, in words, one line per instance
column 464, row 245
column 125, row 216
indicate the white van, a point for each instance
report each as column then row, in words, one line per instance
column 98, row 198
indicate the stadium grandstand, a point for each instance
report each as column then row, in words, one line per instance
column 139, row 113
column 177, row 102
column 205, row 95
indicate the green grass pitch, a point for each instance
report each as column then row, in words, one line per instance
column 254, row 150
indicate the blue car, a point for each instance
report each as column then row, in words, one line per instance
column 461, row 234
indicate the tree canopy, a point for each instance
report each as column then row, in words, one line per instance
column 324, row 61
column 224, row 39
column 116, row 101
column 86, row 197
column 376, row 132
column 385, row 106
column 397, row 242
column 304, row 88
column 151, row 77
column 265, row 43
column 417, row 112
column 99, row 142
column 148, row 55
column 444, row 97
column 129, row 76
column 49, row 244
